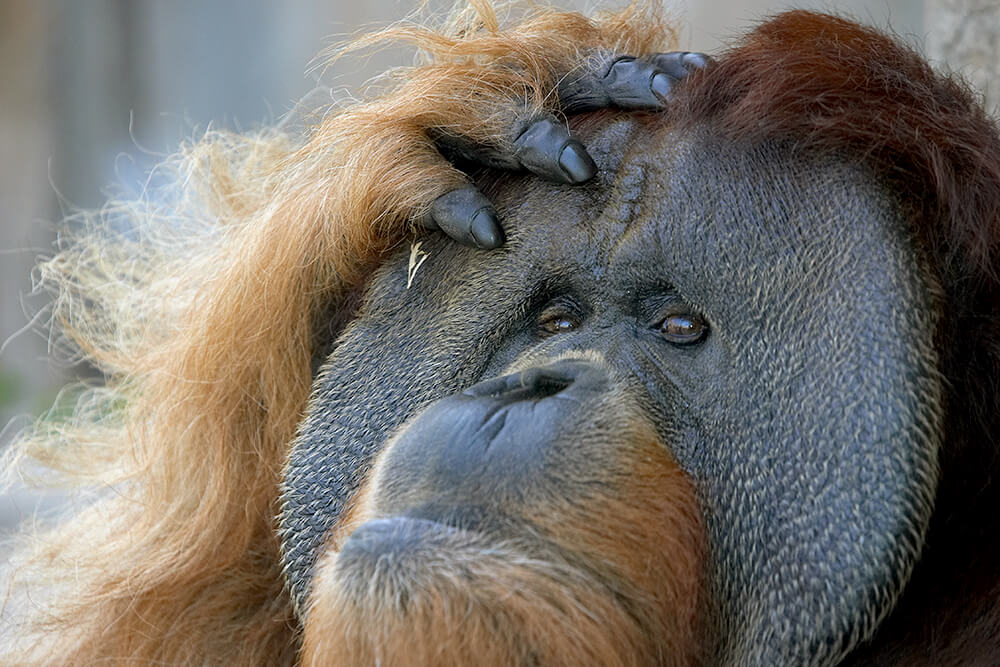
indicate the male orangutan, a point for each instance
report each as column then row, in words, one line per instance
column 721, row 387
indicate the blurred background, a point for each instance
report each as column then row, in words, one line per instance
column 95, row 92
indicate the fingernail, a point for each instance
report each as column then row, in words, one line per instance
column 485, row 230
column 697, row 60
column 660, row 85
column 576, row 163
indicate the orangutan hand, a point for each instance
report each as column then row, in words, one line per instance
column 543, row 145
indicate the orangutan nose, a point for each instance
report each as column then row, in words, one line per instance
column 541, row 382
column 488, row 441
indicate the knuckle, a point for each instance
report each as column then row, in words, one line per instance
column 628, row 83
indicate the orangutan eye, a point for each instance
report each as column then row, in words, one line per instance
column 683, row 328
column 557, row 323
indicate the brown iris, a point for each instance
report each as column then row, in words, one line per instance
column 683, row 328
column 557, row 324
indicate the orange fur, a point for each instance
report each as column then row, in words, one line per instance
column 202, row 319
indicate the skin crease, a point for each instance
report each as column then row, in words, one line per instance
column 814, row 516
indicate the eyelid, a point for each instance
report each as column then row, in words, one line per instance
column 563, row 303
column 661, row 306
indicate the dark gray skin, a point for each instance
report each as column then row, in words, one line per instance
column 806, row 411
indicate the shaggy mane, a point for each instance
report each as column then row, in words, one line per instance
column 200, row 304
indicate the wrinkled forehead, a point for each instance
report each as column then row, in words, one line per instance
column 713, row 217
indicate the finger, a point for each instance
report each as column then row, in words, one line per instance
column 467, row 216
column 626, row 82
column 546, row 149
column 678, row 64
column 635, row 84
column 614, row 81
column 541, row 144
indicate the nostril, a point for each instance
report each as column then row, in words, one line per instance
column 539, row 382
column 531, row 385
column 548, row 385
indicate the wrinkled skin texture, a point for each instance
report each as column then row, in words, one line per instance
column 805, row 423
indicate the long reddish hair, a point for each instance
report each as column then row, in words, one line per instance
column 203, row 321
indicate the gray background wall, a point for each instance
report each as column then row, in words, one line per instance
column 92, row 92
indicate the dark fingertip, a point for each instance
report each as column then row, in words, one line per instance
column 679, row 64
column 696, row 60
column 576, row 162
column 467, row 216
column 660, row 85
column 485, row 230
